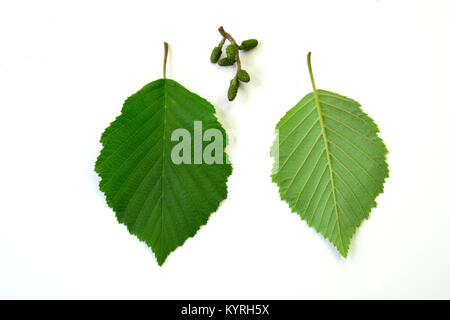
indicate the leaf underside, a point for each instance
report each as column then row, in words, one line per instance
column 160, row 202
column 330, row 164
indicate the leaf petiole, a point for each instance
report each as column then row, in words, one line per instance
column 166, row 51
column 310, row 72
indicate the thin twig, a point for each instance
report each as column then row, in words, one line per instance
column 232, row 41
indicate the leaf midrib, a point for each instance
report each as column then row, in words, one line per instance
column 163, row 162
column 327, row 150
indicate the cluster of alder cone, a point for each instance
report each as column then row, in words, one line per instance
column 232, row 57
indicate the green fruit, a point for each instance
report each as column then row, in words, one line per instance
column 243, row 76
column 249, row 44
column 215, row 54
column 233, row 89
column 231, row 51
column 226, row 62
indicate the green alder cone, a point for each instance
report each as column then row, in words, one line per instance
column 243, row 76
column 161, row 202
column 330, row 164
column 215, row 54
column 233, row 89
column 226, row 62
column 231, row 51
column 249, row 44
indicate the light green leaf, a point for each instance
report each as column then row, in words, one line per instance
column 161, row 202
column 330, row 164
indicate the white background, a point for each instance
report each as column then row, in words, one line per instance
column 67, row 66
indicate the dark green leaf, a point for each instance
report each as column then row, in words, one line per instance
column 160, row 202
